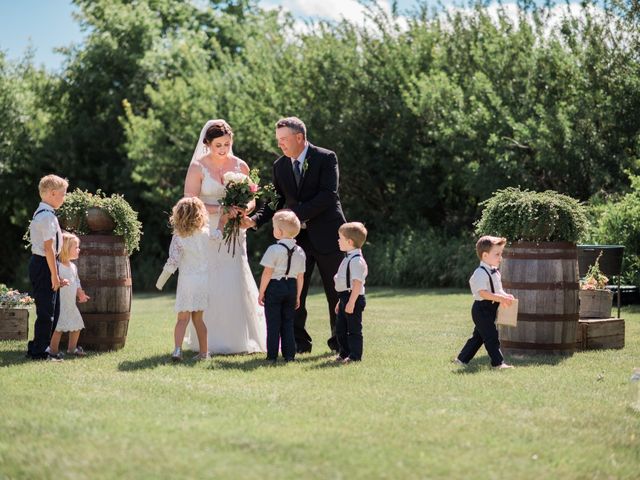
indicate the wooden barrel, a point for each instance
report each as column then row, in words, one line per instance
column 544, row 278
column 105, row 275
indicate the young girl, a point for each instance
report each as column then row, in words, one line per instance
column 70, row 319
column 188, row 252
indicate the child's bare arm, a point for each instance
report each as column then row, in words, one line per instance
column 496, row 297
column 267, row 273
column 356, row 289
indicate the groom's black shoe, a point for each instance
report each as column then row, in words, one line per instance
column 333, row 344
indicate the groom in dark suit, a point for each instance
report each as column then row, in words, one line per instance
column 306, row 179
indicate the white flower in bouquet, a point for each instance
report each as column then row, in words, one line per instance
column 234, row 177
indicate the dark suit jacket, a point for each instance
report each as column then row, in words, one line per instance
column 316, row 201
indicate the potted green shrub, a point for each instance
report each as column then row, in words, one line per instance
column 83, row 213
column 540, row 265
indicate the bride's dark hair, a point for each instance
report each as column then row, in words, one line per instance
column 219, row 128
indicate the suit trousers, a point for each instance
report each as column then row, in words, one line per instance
column 328, row 266
column 279, row 308
column 349, row 327
column 483, row 314
column 47, row 307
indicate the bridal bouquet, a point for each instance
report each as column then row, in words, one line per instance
column 239, row 191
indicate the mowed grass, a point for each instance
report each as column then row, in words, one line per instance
column 404, row 412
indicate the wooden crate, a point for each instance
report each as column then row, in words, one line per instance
column 600, row 333
column 14, row 323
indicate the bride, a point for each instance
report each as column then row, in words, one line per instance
column 235, row 322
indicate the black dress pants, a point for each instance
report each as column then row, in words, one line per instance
column 349, row 327
column 47, row 307
column 279, row 308
column 328, row 266
column 485, row 332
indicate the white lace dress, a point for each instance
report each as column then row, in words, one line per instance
column 70, row 319
column 235, row 321
column 189, row 256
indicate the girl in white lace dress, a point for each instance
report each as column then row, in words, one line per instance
column 70, row 319
column 188, row 252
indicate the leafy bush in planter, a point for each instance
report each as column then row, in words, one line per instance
column 617, row 221
column 73, row 215
column 523, row 215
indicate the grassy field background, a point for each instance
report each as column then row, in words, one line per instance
column 404, row 412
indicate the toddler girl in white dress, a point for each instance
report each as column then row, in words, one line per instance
column 189, row 252
column 70, row 319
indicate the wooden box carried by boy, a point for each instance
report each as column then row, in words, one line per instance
column 14, row 323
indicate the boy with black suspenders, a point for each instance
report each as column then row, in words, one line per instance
column 349, row 282
column 486, row 287
column 281, row 285
column 46, row 242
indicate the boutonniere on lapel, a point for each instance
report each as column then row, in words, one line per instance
column 305, row 167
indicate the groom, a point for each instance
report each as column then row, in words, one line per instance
column 306, row 179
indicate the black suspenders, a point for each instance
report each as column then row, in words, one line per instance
column 349, row 270
column 490, row 279
column 289, row 256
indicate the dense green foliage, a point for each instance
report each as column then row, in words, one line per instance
column 521, row 215
column 72, row 215
column 617, row 221
column 428, row 116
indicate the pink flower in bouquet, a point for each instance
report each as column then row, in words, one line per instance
column 253, row 188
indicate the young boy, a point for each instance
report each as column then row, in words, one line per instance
column 486, row 287
column 349, row 282
column 46, row 243
column 281, row 285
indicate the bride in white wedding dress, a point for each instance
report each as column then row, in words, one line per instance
column 235, row 322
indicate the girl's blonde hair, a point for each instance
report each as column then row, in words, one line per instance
column 68, row 241
column 188, row 216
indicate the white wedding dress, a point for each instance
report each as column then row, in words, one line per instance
column 234, row 319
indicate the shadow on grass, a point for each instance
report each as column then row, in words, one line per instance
column 383, row 292
column 248, row 363
column 515, row 360
column 14, row 357
column 155, row 362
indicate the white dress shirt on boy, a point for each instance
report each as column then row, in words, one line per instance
column 276, row 257
column 357, row 270
column 44, row 226
column 480, row 281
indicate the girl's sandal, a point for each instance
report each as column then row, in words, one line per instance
column 78, row 352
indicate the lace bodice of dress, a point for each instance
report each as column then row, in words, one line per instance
column 189, row 254
column 211, row 190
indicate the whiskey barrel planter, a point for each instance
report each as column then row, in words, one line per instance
column 544, row 277
column 105, row 275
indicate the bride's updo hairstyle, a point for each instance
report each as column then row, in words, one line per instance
column 188, row 216
column 218, row 129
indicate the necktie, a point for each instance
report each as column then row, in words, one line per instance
column 296, row 172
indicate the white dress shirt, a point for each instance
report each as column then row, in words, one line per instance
column 45, row 226
column 480, row 281
column 357, row 270
column 276, row 257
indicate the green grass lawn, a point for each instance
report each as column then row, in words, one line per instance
column 404, row 412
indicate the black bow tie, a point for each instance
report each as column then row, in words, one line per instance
column 494, row 270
